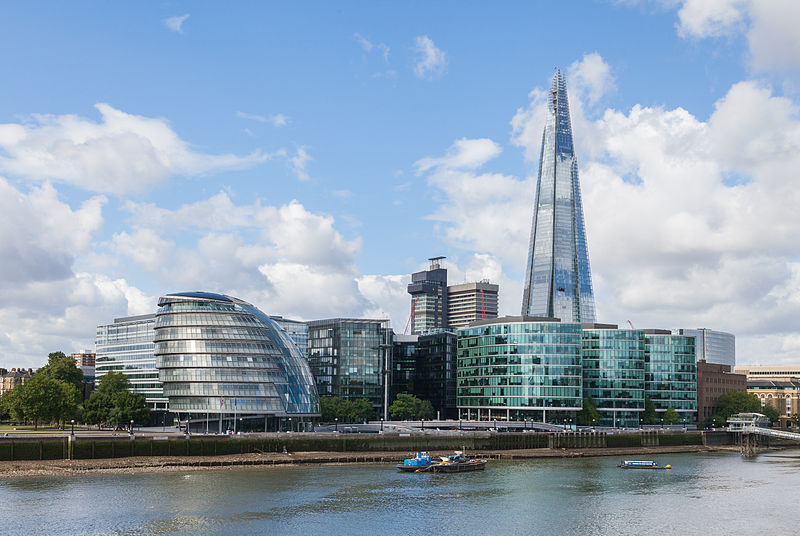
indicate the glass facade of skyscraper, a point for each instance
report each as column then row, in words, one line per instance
column 220, row 355
column 127, row 346
column 671, row 373
column 713, row 346
column 348, row 357
column 558, row 280
column 519, row 367
column 297, row 330
column 613, row 373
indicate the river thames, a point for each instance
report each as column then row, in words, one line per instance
column 717, row 493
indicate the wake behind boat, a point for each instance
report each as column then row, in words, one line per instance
column 455, row 463
column 642, row 464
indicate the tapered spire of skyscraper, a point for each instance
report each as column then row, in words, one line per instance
column 558, row 281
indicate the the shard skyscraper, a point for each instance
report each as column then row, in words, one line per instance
column 558, row 281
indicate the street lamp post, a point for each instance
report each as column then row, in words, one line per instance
column 381, row 424
column 131, row 426
column 72, row 433
column 422, row 422
column 291, row 428
column 337, row 423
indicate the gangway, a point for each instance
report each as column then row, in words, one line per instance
column 753, row 426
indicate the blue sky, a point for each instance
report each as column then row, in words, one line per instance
column 307, row 156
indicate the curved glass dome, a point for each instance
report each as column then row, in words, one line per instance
column 219, row 354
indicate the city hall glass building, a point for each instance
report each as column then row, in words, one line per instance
column 613, row 373
column 225, row 364
column 558, row 280
column 519, row 367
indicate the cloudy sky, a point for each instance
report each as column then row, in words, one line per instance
column 307, row 157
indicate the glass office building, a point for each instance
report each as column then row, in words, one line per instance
column 520, row 367
column 127, row 346
column 558, row 281
column 222, row 359
column 404, row 366
column 670, row 373
column 613, row 373
column 713, row 346
column 437, row 363
column 349, row 357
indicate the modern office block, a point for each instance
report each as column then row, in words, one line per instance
column 436, row 371
column 520, row 367
column 614, row 373
column 348, row 357
column 671, row 373
column 127, row 346
column 223, row 359
column 469, row 302
column 428, row 290
column 713, row 346
column 404, row 365
column 558, row 281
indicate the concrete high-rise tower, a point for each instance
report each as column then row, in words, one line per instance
column 558, row 281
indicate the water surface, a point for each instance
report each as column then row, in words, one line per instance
column 719, row 493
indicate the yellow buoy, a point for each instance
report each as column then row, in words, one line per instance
column 668, row 466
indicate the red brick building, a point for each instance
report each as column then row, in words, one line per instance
column 713, row 381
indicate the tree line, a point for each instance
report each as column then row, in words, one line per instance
column 52, row 396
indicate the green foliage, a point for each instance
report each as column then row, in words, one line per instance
column 42, row 399
column 770, row 412
column 411, row 407
column 671, row 416
column 333, row 407
column 649, row 413
column 734, row 402
column 62, row 367
column 588, row 416
column 113, row 403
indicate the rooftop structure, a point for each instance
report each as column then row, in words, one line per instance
column 428, row 289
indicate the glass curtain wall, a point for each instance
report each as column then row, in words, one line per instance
column 671, row 373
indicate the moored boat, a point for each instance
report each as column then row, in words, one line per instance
column 642, row 464
column 455, row 463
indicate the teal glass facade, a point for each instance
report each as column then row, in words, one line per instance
column 614, row 374
column 519, row 367
column 671, row 373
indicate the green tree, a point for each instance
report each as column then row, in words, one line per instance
column 45, row 399
column 11, row 405
column 361, row 409
column 671, row 416
column 426, row 411
column 588, row 416
column 114, row 403
column 129, row 406
column 772, row 413
column 405, row 407
column 62, row 367
column 649, row 413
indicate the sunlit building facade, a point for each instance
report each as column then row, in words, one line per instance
column 558, row 281
column 127, row 346
column 221, row 358
column 671, row 373
column 520, row 367
column 613, row 373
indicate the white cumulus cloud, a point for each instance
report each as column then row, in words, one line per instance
column 175, row 24
column 121, row 153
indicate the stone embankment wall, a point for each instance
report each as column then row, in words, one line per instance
column 88, row 448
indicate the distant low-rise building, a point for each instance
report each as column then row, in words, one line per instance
column 84, row 359
column 11, row 378
column 783, row 395
column 757, row 372
column 713, row 381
